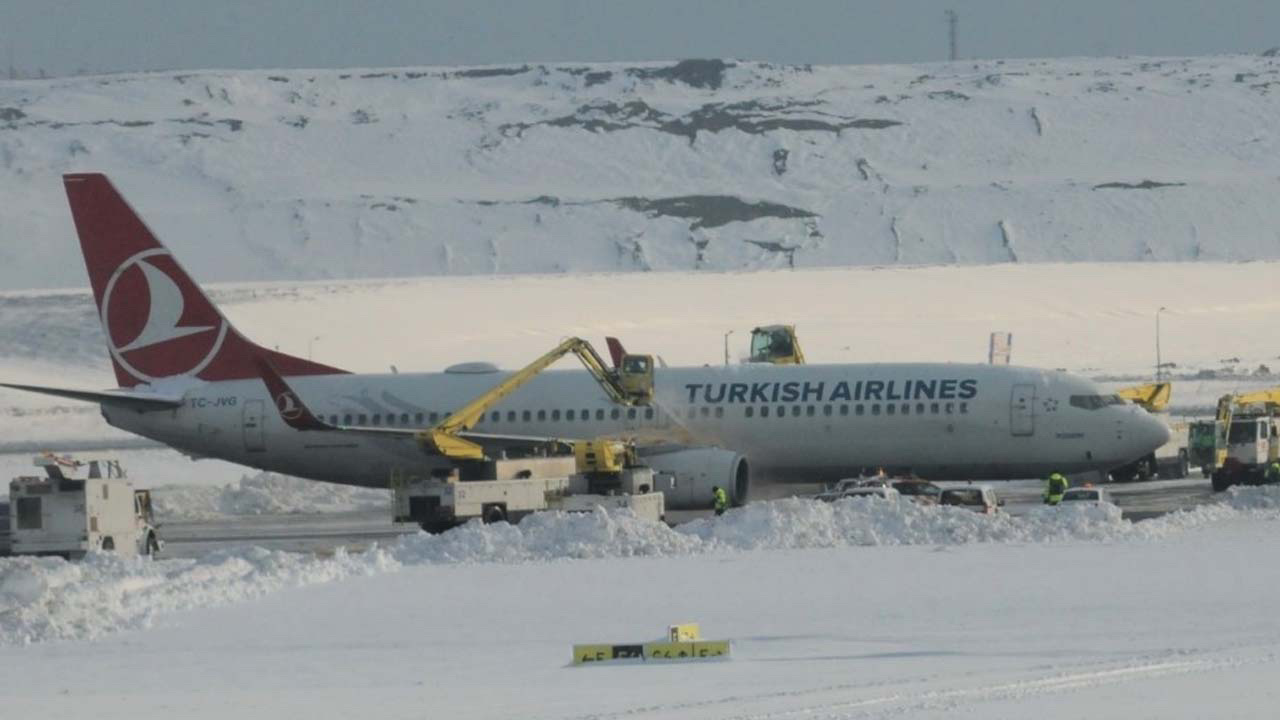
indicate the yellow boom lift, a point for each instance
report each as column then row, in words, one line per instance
column 1152, row 397
column 775, row 344
column 630, row 384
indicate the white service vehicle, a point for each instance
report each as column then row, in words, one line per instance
column 78, row 507
column 510, row 489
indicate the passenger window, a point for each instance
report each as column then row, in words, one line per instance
column 496, row 416
column 600, row 414
column 526, row 416
column 346, row 419
column 919, row 408
column 377, row 418
column 764, row 411
column 333, row 419
column 435, row 417
column 691, row 413
column 782, row 411
column 749, row 411
column 906, row 408
column 951, row 408
column 890, row 409
column 569, row 414
column 706, row 411
column 511, row 416
column 826, row 410
column 363, row 419
column 719, row 411
column 844, row 410
column 933, row 408
column 795, row 411
column 875, row 408
column 615, row 413
column 808, row 411
column 418, row 418
column 631, row 413
column 964, row 408
column 859, row 409
column 585, row 415
column 648, row 413
column 555, row 415
column 542, row 415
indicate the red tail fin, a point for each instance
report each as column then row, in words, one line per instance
column 158, row 322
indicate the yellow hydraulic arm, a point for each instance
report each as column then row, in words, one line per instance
column 1227, row 404
column 1153, row 397
column 444, row 439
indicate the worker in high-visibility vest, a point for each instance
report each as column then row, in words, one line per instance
column 1273, row 472
column 1055, row 488
column 720, row 498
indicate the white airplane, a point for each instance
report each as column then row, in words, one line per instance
column 190, row 380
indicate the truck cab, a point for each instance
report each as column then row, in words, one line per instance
column 1251, row 443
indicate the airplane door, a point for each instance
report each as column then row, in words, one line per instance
column 254, row 441
column 1022, row 410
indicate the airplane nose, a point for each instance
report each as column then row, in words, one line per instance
column 1153, row 431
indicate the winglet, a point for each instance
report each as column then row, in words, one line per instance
column 292, row 410
column 616, row 351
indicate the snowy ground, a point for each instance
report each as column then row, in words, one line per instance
column 854, row 610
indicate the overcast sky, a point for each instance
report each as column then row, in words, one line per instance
column 63, row 36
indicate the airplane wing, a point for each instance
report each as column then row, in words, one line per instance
column 298, row 416
column 140, row 401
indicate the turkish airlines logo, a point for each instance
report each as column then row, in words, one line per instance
column 289, row 406
column 150, row 330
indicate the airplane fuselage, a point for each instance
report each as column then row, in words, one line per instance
column 805, row 423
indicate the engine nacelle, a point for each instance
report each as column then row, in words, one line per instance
column 696, row 471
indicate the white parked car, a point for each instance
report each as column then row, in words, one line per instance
column 979, row 498
column 1095, row 495
column 880, row 491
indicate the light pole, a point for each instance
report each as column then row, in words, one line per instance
column 1159, row 368
column 726, row 347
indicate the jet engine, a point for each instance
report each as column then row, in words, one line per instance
column 696, row 471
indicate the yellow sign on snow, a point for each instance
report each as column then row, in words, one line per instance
column 683, row 643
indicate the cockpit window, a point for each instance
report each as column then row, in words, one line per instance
column 1095, row 402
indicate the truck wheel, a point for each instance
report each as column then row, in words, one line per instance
column 1184, row 466
column 494, row 514
column 1221, row 481
column 108, row 544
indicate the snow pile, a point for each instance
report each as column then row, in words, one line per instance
column 263, row 494
column 1262, row 497
column 693, row 166
column 50, row 599
column 44, row 599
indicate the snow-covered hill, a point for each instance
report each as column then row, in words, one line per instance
column 697, row 165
